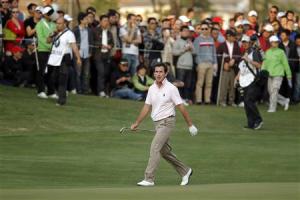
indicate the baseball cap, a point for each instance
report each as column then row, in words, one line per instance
column 274, row 38
column 245, row 38
column 280, row 14
column 184, row 19
column 39, row 8
column 268, row 28
column 245, row 22
column 217, row 19
column 230, row 32
column 191, row 28
column 238, row 23
column 252, row 13
column 47, row 10
column 17, row 49
column 68, row 18
column 123, row 61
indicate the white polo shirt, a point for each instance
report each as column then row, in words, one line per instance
column 246, row 76
column 163, row 100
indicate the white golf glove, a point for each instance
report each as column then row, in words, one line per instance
column 193, row 130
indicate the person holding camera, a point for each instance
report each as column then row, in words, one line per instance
column 248, row 67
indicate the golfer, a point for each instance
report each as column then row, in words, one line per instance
column 162, row 97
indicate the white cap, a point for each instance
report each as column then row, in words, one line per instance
column 269, row 28
column 184, row 19
column 274, row 38
column 246, row 22
column 245, row 38
column 46, row 10
column 252, row 13
column 191, row 28
column 39, row 8
column 238, row 23
column 280, row 14
column 68, row 18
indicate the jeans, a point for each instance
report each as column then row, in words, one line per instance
column 185, row 75
column 83, row 76
column 127, row 93
column 133, row 62
column 103, row 72
column 40, row 73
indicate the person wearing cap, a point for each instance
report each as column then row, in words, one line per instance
column 85, row 40
column 246, row 78
column 141, row 81
column 132, row 38
column 206, row 59
column 264, row 43
column 232, row 57
column 253, row 19
column 60, row 59
column 276, row 63
column 185, row 20
column 103, row 40
column 183, row 49
column 239, row 29
column 121, row 83
column 290, row 49
column 29, row 63
column 31, row 22
column 44, row 28
column 163, row 97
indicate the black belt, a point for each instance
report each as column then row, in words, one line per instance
column 171, row 116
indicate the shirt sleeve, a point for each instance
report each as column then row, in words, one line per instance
column 148, row 98
column 176, row 98
column 71, row 38
column 123, row 32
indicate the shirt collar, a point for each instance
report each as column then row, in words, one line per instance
column 163, row 83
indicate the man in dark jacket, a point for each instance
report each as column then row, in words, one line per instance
column 104, row 44
column 84, row 39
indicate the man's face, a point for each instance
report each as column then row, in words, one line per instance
column 272, row 13
column 5, row 4
column 60, row 24
column 274, row 44
column 91, row 18
column 104, row 23
column 231, row 38
column 152, row 24
column 252, row 19
column 205, row 29
column 159, row 74
column 37, row 14
column 113, row 19
column 132, row 20
column 85, row 21
column 284, row 37
column 185, row 33
column 124, row 67
column 245, row 45
column 215, row 34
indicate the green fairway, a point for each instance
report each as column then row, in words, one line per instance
column 77, row 152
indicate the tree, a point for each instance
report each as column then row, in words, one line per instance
column 177, row 5
column 103, row 5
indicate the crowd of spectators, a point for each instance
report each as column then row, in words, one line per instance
column 117, row 59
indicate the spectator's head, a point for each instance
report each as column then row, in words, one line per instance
column 252, row 16
column 152, row 23
column 205, row 30
column 190, row 13
column 276, row 25
column 267, row 30
column 5, row 4
column 17, row 52
column 104, row 22
column 231, row 23
column 166, row 23
column 112, row 15
column 297, row 40
column 131, row 19
column 82, row 19
column 239, row 16
column 91, row 9
column 141, row 70
column 184, row 32
column 285, row 35
column 166, row 32
column 274, row 41
column 273, row 13
column 177, row 25
column 60, row 13
column 198, row 29
column 91, row 17
column 290, row 25
column 139, row 19
column 47, row 12
column 31, row 8
column 218, row 20
column 123, row 65
column 14, row 4
column 29, row 44
column 185, row 20
column 283, row 21
column 290, row 15
column 230, row 35
column 215, row 33
column 15, row 13
column 245, row 42
column 61, row 24
column 239, row 27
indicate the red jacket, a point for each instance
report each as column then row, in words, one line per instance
column 20, row 33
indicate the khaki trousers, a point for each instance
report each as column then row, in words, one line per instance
column 227, row 87
column 274, row 84
column 160, row 147
column 204, row 73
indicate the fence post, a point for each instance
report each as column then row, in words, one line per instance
column 220, row 79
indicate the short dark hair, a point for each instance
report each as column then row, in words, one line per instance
column 164, row 20
column 112, row 12
column 151, row 18
column 161, row 65
column 275, row 7
column 184, row 27
column 81, row 16
column 204, row 23
column 91, row 8
column 289, row 11
column 102, row 17
column 130, row 15
column 31, row 5
column 190, row 10
column 286, row 31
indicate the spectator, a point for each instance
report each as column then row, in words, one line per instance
column 31, row 22
column 252, row 17
column 183, row 49
column 239, row 29
column 276, row 63
column 239, row 16
column 176, row 29
column 272, row 14
column 215, row 35
column 165, row 23
column 15, row 4
column 15, row 31
column 104, row 43
column 93, row 23
column 60, row 59
column 232, row 57
column 277, row 28
column 31, row 9
column 44, row 28
column 141, row 81
column 122, row 83
column 206, row 60
column 167, row 55
column 5, row 11
column 85, row 40
column 264, row 38
column 290, row 26
column 153, row 44
column 290, row 15
column 29, row 63
column 115, row 30
column 131, row 37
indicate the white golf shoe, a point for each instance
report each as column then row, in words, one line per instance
column 42, row 95
column 53, row 96
column 145, row 183
column 286, row 105
column 185, row 179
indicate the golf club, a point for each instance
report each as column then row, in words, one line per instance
column 124, row 129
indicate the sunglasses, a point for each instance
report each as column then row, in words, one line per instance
column 275, row 12
column 204, row 29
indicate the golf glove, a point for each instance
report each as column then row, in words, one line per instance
column 290, row 83
column 193, row 130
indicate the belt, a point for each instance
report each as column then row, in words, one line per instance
column 171, row 116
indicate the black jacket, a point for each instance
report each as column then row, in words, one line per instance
column 98, row 40
column 292, row 56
